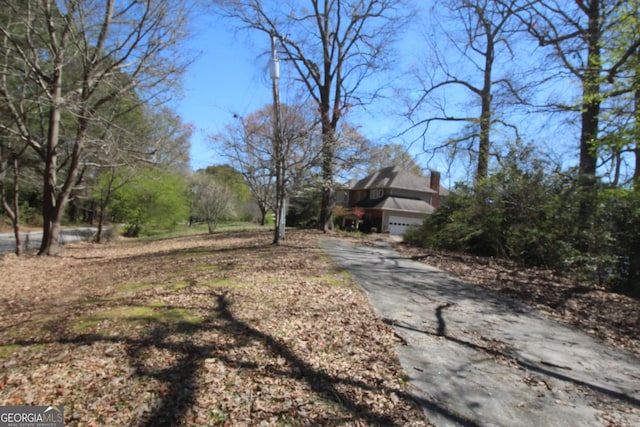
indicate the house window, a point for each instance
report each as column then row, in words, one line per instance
column 377, row 194
column 343, row 197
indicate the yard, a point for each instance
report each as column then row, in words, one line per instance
column 227, row 329
column 220, row 329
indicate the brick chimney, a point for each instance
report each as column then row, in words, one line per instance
column 434, row 182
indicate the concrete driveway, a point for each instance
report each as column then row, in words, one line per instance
column 479, row 359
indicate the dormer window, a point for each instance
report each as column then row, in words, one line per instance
column 377, row 194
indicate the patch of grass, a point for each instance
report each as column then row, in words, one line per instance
column 340, row 278
column 155, row 305
column 177, row 274
column 127, row 313
column 137, row 287
column 98, row 301
column 182, row 315
column 85, row 324
column 190, row 253
column 139, row 315
column 240, row 226
column 334, row 276
column 207, row 267
column 178, row 286
column 7, row 350
column 185, row 230
column 134, row 287
column 225, row 282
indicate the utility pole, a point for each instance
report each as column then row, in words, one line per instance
column 278, row 146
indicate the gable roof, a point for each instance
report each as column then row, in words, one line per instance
column 396, row 203
column 405, row 205
column 394, row 177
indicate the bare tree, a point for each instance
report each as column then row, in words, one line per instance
column 334, row 46
column 143, row 137
column 12, row 147
column 11, row 151
column 77, row 58
column 108, row 183
column 386, row 155
column 246, row 144
column 213, row 200
column 249, row 146
column 472, row 63
column 624, row 74
column 578, row 35
column 353, row 152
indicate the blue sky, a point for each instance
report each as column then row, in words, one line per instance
column 231, row 76
column 227, row 78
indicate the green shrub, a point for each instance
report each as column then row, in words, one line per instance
column 523, row 213
column 151, row 201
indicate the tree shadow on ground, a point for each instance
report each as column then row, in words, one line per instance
column 612, row 313
column 173, row 386
column 507, row 355
column 181, row 377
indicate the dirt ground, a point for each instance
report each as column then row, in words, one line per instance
column 221, row 329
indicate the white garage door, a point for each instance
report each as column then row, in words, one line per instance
column 399, row 224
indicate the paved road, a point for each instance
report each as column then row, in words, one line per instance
column 32, row 239
column 479, row 359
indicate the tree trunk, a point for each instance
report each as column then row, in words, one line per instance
column 104, row 202
column 636, row 108
column 484, row 144
column 12, row 210
column 616, row 159
column 100, row 222
column 591, row 99
column 591, row 95
column 325, row 222
column 263, row 215
column 50, row 217
column 56, row 199
column 330, row 115
column 101, row 213
column 16, row 206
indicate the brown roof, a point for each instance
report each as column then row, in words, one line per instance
column 395, row 177
column 405, row 205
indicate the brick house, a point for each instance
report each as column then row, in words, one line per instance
column 389, row 200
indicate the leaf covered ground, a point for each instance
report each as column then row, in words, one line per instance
column 220, row 329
